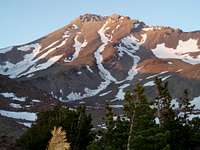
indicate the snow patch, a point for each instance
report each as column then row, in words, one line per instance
column 78, row 46
column 87, row 92
column 148, row 29
column 165, row 78
column 75, row 26
column 66, row 34
column 191, row 116
column 74, row 96
column 155, row 75
column 174, row 104
column 79, row 72
column 116, row 106
column 152, row 28
column 89, row 69
column 15, row 105
column 150, row 83
column 170, row 63
column 120, row 94
column 27, row 124
column 181, row 52
column 13, row 96
column 196, row 103
column 106, row 93
column 179, row 70
column 35, row 100
column 136, row 25
column 29, row 116
column 157, row 120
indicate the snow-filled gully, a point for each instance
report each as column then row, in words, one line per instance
column 133, row 45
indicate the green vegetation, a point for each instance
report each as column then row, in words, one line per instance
column 137, row 129
column 77, row 125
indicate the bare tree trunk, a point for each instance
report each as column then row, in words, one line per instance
column 76, row 145
column 130, row 133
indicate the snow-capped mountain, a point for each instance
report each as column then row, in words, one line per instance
column 95, row 58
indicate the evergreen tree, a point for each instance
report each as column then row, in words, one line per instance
column 129, row 109
column 163, row 101
column 82, row 130
column 186, row 108
column 195, row 133
column 179, row 138
column 108, row 138
column 114, row 136
column 77, row 125
column 144, row 133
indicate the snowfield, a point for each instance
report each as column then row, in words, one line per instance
column 181, row 52
column 34, row 54
column 13, row 96
column 29, row 116
column 29, row 64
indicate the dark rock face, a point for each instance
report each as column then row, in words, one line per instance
column 91, row 17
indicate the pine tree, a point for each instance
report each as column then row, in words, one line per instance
column 129, row 109
column 114, row 136
column 190, row 129
column 110, row 127
column 143, row 129
column 186, row 108
column 163, row 101
column 179, row 135
column 82, row 130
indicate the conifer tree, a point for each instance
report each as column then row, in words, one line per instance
column 77, row 125
column 58, row 140
column 163, row 100
column 82, row 130
column 129, row 109
column 110, row 127
column 169, row 120
column 141, row 115
column 186, row 108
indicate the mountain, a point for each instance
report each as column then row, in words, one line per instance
column 94, row 59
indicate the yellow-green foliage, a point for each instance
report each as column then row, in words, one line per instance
column 58, row 140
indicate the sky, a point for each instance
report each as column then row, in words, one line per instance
column 22, row 21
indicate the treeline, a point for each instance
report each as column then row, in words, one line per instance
column 144, row 125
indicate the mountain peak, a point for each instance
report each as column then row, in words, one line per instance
column 91, row 18
column 100, row 57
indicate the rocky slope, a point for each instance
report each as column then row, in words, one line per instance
column 94, row 59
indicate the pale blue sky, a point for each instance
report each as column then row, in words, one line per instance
column 22, row 21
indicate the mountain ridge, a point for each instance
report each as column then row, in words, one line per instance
column 97, row 57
